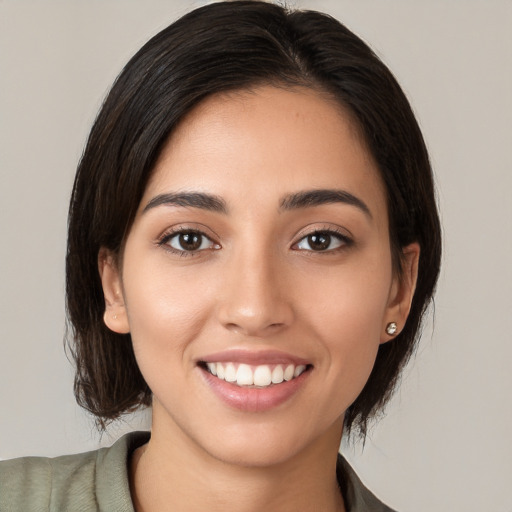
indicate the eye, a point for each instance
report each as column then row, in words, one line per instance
column 188, row 241
column 322, row 241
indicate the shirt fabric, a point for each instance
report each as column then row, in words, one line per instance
column 98, row 481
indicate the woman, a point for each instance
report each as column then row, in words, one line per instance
column 253, row 241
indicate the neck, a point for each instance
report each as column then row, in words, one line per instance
column 170, row 472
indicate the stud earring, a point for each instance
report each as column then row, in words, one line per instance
column 391, row 328
column 114, row 317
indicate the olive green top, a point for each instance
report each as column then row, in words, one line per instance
column 98, row 481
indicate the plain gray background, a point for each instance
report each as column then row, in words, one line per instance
column 445, row 444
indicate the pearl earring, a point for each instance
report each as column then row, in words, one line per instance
column 391, row 328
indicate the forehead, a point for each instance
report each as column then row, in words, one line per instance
column 267, row 142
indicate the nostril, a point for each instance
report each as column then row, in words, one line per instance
column 259, row 319
column 254, row 329
column 233, row 327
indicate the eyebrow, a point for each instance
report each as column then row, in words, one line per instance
column 299, row 200
column 310, row 198
column 189, row 199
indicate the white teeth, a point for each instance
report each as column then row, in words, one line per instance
column 261, row 375
column 299, row 370
column 244, row 375
column 230, row 374
column 288, row 373
column 277, row 375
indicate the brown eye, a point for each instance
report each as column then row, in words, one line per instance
column 189, row 241
column 319, row 241
column 323, row 241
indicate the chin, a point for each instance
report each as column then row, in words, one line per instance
column 271, row 444
column 255, row 454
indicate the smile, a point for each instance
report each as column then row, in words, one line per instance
column 254, row 381
column 259, row 376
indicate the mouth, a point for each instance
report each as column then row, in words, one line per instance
column 254, row 376
column 254, row 381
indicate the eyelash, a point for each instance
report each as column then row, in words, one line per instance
column 345, row 241
column 165, row 239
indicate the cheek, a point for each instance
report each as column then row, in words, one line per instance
column 165, row 312
column 350, row 301
column 345, row 310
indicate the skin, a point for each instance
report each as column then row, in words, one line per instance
column 255, row 284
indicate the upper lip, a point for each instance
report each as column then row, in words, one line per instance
column 253, row 357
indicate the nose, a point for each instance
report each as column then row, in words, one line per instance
column 253, row 301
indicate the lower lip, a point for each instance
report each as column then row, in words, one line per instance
column 254, row 399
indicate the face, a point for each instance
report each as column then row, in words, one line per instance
column 257, row 280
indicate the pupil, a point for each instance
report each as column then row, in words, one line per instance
column 190, row 241
column 319, row 241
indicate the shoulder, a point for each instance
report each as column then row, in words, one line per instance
column 36, row 482
column 357, row 497
column 86, row 481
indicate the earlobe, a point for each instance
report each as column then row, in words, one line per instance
column 115, row 317
column 402, row 293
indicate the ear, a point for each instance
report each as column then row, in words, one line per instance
column 402, row 292
column 115, row 316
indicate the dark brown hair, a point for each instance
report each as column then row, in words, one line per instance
column 221, row 47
